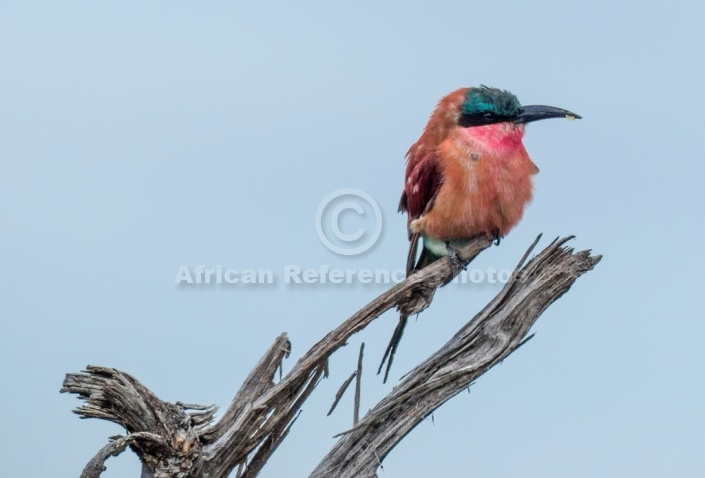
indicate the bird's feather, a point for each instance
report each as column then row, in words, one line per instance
column 423, row 180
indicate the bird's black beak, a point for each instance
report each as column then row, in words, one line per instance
column 531, row 113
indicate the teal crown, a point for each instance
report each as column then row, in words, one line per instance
column 490, row 100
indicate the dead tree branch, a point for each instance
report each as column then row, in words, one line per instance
column 177, row 440
column 493, row 334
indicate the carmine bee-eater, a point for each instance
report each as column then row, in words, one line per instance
column 468, row 174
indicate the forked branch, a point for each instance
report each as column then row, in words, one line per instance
column 177, row 440
column 494, row 333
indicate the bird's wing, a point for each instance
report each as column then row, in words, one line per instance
column 422, row 182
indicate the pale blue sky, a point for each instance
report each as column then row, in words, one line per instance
column 136, row 138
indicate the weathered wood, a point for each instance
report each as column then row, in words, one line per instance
column 493, row 334
column 164, row 435
column 117, row 445
column 184, row 442
column 358, row 384
column 341, row 391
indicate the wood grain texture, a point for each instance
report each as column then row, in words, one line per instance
column 494, row 333
column 181, row 440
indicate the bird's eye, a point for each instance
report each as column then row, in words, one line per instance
column 488, row 116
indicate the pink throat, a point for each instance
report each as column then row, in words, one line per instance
column 500, row 138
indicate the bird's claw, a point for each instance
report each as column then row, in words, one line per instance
column 454, row 257
column 497, row 237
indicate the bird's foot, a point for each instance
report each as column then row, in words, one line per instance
column 497, row 237
column 454, row 257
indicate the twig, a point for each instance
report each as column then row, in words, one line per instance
column 358, row 380
column 341, row 391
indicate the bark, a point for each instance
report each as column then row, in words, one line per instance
column 494, row 333
column 180, row 440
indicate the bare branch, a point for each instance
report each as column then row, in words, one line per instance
column 118, row 444
column 269, row 406
column 259, row 380
column 181, row 441
column 358, row 383
column 486, row 340
column 341, row 391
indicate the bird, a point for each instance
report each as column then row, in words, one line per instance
column 468, row 174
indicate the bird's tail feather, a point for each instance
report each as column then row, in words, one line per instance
column 392, row 347
column 413, row 305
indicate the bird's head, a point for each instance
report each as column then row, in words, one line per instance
column 482, row 114
column 484, row 106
